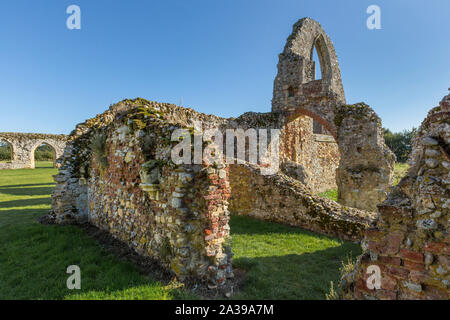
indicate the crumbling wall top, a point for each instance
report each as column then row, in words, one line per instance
column 42, row 136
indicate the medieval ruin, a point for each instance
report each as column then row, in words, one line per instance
column 117, row 172
column 23, row 145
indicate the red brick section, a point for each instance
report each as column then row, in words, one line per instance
column 385, row 244
column 216, row 198
column 411, row 255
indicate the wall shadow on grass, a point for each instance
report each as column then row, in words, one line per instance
column 20, row 191
column 245, row 225
column 28, row 185
column 25, row 203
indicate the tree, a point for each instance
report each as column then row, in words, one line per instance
column 5, row 151
column 400, row 142
column 43, row 153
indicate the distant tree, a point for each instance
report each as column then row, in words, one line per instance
column 43, row 153
column 5, row 151
column 400, row 142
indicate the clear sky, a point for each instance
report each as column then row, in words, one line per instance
column 217, row 57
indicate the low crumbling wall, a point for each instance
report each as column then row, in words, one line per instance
column 410, row 243
column 283, row 199
column 23, row 146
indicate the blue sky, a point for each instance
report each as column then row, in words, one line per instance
column 217, row 57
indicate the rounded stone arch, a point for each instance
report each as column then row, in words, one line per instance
column 11, row 147
column 37, row 145
column 299, row 111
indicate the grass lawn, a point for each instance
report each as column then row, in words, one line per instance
column 281, row 262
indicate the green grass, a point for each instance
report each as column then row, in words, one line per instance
column 34, row 257
column 280, row 262
column 400, row 170
column 283, row 262
column 330, row 194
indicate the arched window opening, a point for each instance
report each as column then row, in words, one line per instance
column 320, row 58
column 317, row 66
column 44, row 156
column 6, row 155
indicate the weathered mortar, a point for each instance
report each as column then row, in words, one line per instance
column 411, row 240
column 23, row 146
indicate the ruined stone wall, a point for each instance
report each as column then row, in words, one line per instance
column 176, row 214
column 285, row 200
column 411, row 240
column 308, row 157
column 23, row 146
column 366, row 165
column 117, row 172
column 325, row 161
column 362, row 182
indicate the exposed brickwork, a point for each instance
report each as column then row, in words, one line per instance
column 410, row 242
column 185, row 226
